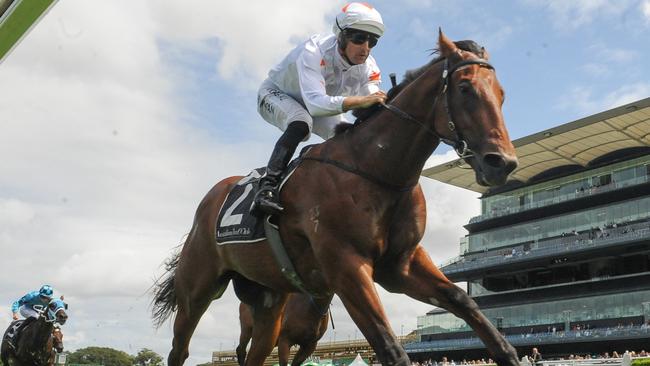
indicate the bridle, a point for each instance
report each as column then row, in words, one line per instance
column 458, row 143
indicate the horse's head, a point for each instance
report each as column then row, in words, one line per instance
column 56, row 311
column 57, row 339
column 473, row 122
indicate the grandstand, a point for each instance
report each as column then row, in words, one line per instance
column 559, row 257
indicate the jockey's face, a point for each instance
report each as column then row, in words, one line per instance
column 357, row 47
column 357, row 54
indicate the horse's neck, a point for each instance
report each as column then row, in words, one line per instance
column 37, row 335
column 392, row 147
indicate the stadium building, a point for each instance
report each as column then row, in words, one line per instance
column 559, row 257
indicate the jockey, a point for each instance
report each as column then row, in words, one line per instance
column 26, row 303
column 312, row 88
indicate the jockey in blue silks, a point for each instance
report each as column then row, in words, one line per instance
column 26, row 303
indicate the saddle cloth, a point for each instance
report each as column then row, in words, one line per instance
column 13, row 334
column 235, row 223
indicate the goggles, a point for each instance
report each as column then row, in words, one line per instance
column 360, row 38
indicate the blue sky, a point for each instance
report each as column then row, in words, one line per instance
column 118, row 116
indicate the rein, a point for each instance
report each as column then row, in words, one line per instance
column 459, row 144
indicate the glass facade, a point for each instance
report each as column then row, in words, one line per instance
column 580, row 221
column 616, row 176
column 573, row 310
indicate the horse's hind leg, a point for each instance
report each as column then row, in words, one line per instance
column 284, row 350
column 267, row 316
column 423, row 281
column 246, row 332
column 304, row 351
column 192, row 303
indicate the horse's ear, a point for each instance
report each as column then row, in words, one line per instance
column 484, row 52
column 445, row 45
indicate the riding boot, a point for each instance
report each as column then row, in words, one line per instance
column 267, row 200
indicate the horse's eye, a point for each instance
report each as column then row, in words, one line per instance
column 465, row 87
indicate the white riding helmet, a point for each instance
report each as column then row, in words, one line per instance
column 359, row 16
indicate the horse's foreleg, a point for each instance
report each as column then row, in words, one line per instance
column 422, row 280
column 267, row 316
column 355, row 286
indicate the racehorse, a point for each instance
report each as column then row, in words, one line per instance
column 354, row 215
column 55, row 343
column 35, row 342
column 304, row 322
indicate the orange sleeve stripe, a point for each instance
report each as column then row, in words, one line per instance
column 374, row 76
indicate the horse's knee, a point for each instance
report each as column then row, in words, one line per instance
column 453, row 296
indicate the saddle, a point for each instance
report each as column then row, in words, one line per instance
column 235, row 224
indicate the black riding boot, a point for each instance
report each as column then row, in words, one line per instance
column 267, row 200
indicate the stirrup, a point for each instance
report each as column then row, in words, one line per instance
column 265, row 202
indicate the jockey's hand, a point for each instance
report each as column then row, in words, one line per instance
column 15, row 316
column 374, row 98
column 358, row 102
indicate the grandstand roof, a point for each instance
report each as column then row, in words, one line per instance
column 578, row 144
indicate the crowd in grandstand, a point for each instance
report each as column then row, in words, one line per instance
column 445, row 362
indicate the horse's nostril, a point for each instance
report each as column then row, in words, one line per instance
column 494, row 161
column 511, row 165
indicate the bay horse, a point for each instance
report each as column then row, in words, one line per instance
column 354, row 216
column 304, row 322
column 35, row 344
column 55, row 344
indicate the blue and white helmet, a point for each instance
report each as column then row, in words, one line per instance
column 46, row 291
column 359, row 16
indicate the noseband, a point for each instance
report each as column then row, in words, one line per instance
column 458, row 143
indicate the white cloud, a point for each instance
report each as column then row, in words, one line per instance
column 645, row 9
column 569, row 15
column 13, row 212
column 250, row 41
column 583, row 101
column 626, row 94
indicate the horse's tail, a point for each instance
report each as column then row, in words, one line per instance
column 164, row 301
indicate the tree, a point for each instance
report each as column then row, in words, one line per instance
column 147, row 357
column 100, row 356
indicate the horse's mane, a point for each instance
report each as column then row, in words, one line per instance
column 409, row 76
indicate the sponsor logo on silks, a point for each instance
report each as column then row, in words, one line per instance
column 375, row 76
column 322, row 62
